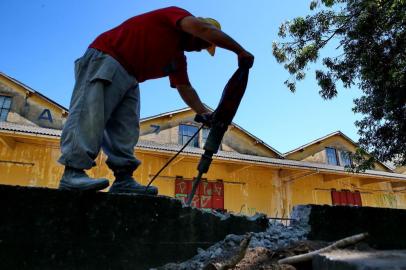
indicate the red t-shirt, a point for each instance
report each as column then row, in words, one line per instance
column 149, row 46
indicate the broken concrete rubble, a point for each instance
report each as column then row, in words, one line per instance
column 280, row 241
column 276, row 236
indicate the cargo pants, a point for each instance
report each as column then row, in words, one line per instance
column 104, row 113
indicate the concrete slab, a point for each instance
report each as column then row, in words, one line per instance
column 52, row 229
column 385, row 226
column 358, row 260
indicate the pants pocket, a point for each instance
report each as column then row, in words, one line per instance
column 103, row 69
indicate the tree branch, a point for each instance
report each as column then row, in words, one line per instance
column 308, row 256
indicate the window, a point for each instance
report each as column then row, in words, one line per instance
column 205, row 134
column 345, row 158
column 186, row 132
column 5, row 104
column 331, row 156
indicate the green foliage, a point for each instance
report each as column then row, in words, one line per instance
column 361, row 161
column 371, row 54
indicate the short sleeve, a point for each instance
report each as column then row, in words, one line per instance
column 179, row 76
column 175, row 14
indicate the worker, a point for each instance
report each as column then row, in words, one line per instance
column 104, row 110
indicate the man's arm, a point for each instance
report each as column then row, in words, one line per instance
column 190, row 97
column 208, row 32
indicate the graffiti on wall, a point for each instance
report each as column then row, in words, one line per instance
column 46, row 115
column 389, row 199
column 244, row 209
column 386, row 200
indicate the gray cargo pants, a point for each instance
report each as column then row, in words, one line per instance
column 104, row 112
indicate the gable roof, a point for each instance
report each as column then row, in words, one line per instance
column 186, row 109
column 300, row 148
column 32, row 91
column 336, row 133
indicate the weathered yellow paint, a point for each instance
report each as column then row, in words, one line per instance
column 30, row 163
column 32, row 104
column 249, row 188
column 314, row 189
column 32, row 96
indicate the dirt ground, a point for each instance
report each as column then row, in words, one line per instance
column 262, row 258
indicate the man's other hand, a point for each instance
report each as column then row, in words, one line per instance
column 205, row 119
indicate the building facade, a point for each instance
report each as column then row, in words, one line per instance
column 246, row 176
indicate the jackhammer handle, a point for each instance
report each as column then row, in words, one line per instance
column 199, row 118
column 204, row 119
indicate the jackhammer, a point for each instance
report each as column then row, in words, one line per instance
column 220, row 120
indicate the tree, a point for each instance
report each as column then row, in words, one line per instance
column 370, row 36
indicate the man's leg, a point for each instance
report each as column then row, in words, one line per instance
column 120, row 137
column 90, row 109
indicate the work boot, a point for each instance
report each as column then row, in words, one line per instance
column 125, row 183
column 77, row 179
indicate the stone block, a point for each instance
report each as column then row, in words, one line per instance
column 51, row 229
column 330, row 223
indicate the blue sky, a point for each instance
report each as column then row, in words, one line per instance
column 40, row 39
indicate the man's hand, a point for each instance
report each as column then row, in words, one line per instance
column 205, row 119
column 245, row 59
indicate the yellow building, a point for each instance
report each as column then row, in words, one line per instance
column 246, row 176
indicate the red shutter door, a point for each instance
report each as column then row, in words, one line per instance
column 350, row 197
column 357, row 198
column 218, row 189
column 343, row 197
column 182, row 186
column 206, row 188
column 209, row 195
column 206, row 202
column 218, row 202
column 218, row 195
column 335, row 197
column 206, row 194
column 196, row 201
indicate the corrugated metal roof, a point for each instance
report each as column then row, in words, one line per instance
column 29, row 129
column 167, row 113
